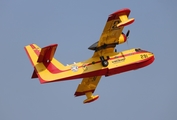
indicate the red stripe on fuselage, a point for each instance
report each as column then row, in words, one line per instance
column 54, row 70
column 106, row 72
column 131, row 66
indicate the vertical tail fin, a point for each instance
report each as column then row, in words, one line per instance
column 33, row 52
column 43, row 59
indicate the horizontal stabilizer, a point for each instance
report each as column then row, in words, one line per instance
column 47, row 53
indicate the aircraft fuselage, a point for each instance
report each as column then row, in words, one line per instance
column 119, row 62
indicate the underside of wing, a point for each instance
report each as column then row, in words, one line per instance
column 112, row 34
column 87, row 87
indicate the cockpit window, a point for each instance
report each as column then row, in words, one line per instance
column 137, row 49
column 140, row 50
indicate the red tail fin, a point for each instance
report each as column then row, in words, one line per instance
column 43, row 61
column 47, row 53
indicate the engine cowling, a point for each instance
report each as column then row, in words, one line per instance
column 122, row 39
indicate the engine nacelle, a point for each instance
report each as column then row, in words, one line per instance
column 122, row 39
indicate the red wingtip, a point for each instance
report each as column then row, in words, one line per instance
column 124, row 10
column 118, row 13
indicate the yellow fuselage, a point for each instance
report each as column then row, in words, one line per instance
column 118, row 62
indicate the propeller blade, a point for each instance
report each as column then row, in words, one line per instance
column 128, row 32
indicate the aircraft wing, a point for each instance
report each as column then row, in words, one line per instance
column 87, row 87
column 112, row 32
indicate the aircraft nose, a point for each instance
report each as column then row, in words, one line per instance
column 146, row 54
column 150, row 54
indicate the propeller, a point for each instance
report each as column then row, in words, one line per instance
column 127, row 34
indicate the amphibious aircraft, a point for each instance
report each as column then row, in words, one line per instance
column 106, row 61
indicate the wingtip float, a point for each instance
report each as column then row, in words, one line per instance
column 105, row 61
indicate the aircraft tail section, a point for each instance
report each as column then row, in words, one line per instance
column 43, row 61
column 47, row 53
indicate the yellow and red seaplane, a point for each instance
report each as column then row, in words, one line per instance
column 105, row 61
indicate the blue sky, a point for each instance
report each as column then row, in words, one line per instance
column 149, row 93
